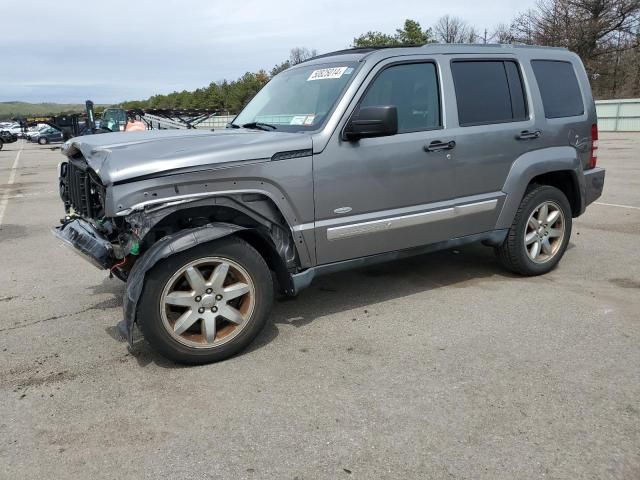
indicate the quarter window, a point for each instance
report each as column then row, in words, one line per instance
column 413, row 89
column 559, row 88
column 488, row 92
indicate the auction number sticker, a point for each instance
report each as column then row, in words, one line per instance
column 327, row 73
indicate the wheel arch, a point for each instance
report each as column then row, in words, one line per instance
column 556, row 166
column 185, row 240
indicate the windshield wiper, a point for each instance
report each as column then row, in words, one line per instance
column 267, row 127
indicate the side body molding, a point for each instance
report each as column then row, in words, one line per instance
column 529, row 166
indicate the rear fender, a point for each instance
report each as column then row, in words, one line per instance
column 531, row 165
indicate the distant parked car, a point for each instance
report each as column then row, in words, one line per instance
column 16, row 129
column 7, row 137
column 36, row 131
column 47, row 136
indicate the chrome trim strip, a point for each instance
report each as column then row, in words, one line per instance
column 374, row 226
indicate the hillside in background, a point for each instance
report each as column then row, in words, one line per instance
column 9, row 110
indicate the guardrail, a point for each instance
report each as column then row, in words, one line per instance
column 618, row 115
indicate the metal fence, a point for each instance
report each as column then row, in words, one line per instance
column 618, row 115
column 217, row 122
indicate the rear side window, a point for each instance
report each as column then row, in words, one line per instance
column 413, row 89
column 488, row 91
column 561, row 96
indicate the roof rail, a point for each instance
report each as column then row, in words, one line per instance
column 363, row 50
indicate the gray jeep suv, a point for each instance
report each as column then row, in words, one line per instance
column 350, row 158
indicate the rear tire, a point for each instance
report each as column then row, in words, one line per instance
column 192, row 322
column 539, row 234
column 43, row 141
column 1, row 144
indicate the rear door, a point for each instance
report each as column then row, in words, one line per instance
column 492, row 126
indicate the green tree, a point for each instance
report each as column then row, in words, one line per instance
column 410, row 34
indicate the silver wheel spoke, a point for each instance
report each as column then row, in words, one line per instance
column 236, row 290
column 195, row 279
column 209, row 327
column 530, row 238
column 231, row 314
column 543, row 213
column 187, row 319
column 218, row 276
column 552, row 217
column 180, row 299
column 533, row 223
column 555, row 232
column 535, row 249
column 546, row 246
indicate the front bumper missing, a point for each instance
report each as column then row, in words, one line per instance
column 86, row 241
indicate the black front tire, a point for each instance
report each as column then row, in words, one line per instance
column 513, row 253
column 149, row 316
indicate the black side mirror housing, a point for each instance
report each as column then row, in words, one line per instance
column 378, row 121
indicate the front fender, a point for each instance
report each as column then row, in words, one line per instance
column 530, row 165
column 166, row 246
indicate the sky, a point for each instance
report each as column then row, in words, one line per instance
column 110, row 51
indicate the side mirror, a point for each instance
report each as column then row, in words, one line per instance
column 378, row 121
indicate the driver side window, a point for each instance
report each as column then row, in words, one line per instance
column 413, row 89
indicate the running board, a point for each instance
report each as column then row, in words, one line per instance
column 303, row 279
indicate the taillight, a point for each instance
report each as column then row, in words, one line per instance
column 594, row 146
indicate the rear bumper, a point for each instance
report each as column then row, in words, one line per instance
column 594, row 183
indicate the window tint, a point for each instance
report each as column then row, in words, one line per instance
column 559, row 88
column 413, row 89
column 488, row 92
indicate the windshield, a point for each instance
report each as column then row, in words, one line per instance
column 299, row 99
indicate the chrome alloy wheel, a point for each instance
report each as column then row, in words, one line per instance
column 207, row 302
column 544, row 232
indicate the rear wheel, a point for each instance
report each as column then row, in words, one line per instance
column 539, row 234
column 43, row 141
column 207, row 303
column 1, row 144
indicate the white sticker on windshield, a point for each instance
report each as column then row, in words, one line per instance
column 298, row 120
column 327, row 73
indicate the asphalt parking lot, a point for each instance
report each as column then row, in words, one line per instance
column 441, row 366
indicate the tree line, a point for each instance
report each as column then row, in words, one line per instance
column 605, row 33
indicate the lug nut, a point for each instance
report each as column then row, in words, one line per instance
column 218, row 297
column 201, row 310
column 214, row 309
column 198, row 299
column 209, row 290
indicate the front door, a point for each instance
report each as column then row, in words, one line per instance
column 382, row 194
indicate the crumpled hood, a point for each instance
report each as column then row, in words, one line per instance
column 120, row 156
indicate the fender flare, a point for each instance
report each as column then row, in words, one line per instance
column 530, row 165
column 163, row 248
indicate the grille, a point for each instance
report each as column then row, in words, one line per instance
column 83, row 194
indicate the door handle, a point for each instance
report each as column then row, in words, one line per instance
column 437, row 145
column 527, row 135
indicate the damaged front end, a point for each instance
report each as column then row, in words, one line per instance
column 130, row 244
column 104, row 242
column 84, row 239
